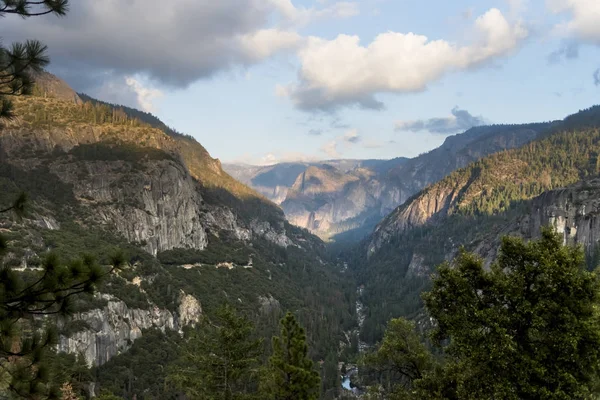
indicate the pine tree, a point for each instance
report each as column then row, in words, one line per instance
column 21, row 61
column 400, row 360
column 25, row 300
column 529, row 328
column 291, row 374
column 220, row 359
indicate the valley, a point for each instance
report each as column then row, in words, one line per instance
column 102, row 178
column 299, row 200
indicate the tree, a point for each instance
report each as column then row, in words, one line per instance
column 527, row 328
column 291, row 374
column 67, row 392
column 26, row 299
column 21, row 61
column 400, row 360
column 219, row 361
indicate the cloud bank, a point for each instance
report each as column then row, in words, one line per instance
column 342, row 72
column 172, row 44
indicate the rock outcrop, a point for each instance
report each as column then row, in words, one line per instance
column 112, row 330
column 153, row 189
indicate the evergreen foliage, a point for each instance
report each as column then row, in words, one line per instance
column 21, row 61
column 291, row 374
column 25, row 299
column 220, row 360
column 528, row 328
column 481, row 199
column 400, row 359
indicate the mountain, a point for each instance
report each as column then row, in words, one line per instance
column 274, row 181
column 101, row 177
column 550, row 180
column 346, row 199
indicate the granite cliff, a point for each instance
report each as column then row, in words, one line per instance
column 100, row 179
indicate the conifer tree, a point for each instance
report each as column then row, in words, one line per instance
column 219, row 361
column 26, row 298
column 291, row 374
column 20, row 62
column 527, row 329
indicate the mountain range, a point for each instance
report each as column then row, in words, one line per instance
column 345, row 199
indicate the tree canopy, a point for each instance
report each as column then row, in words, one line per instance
column 21, row 60
column 220, row 359
column 291, row 374
column 527, row 328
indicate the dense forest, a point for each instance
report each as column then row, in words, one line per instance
column 482, row 199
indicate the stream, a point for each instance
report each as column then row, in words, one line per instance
column 362, row 347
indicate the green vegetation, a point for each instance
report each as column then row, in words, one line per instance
column 291, row 374
column 220, row 360
column 527, row 328
column 400, row 359
column 25, row 340
column 22, row 60
column 142, row 370
column 483, row 200
column 131, row 114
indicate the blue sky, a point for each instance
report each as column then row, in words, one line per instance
column 301, row 91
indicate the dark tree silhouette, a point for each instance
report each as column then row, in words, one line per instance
column 20, row 61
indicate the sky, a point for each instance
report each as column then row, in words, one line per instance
column 266, row 81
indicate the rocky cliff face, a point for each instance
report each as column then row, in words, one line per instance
column 154, row 194
column 111, row 330
column 147, row 190
column 573, row 212
column 335, row 197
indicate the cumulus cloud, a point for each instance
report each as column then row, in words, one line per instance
column 145, row 96
column 342, row 72
column 597, row 77
column 582, row 22
column 174, row 45
column 458, row 121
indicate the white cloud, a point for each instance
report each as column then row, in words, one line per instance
column 332, row 147
column 145, row 95
column 373, row 144
column 342, row 72
column 584, row 19
column 266, row 42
